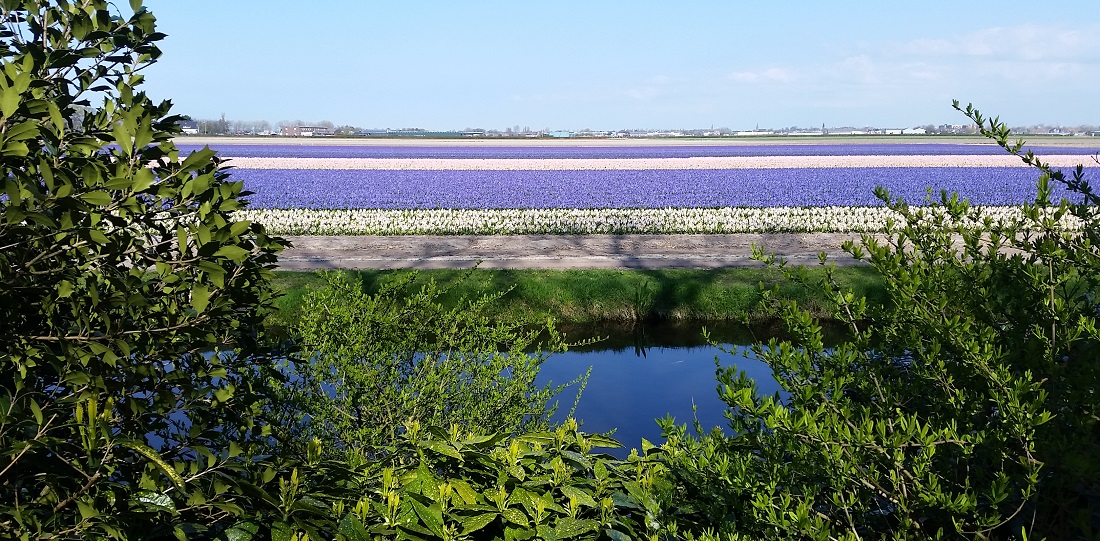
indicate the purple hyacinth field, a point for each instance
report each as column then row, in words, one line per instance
column 314, row 187
column 479, row 189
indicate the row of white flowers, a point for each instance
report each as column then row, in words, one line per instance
column 584, row 221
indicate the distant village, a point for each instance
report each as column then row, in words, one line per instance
column 328, row 129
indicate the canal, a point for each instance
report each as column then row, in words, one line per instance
column 644, row 372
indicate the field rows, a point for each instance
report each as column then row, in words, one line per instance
column 375, row 190
column 593, row 189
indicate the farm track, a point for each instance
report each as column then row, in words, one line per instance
column 559, row 252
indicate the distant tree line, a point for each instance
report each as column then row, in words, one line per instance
column 224, row 126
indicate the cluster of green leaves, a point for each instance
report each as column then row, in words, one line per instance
column 371, row 362
column 541, row 485
column 450, row 484
column 122, row 271
column 963, row 408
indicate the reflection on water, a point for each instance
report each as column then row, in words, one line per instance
column 640, row 373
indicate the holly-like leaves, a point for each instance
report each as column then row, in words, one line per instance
column 123, row 278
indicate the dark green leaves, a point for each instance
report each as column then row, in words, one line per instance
column 98, row 198
column 200, row 297
column 242, row 531
column 234, row 253
column 123, row 279
column 567, row 527
column 479, row 493
column 14, row 81
column 153, row 456
column 154, row 501
column 143, row 179
column 9, row 101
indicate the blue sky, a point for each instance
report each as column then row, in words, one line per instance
column 606, row 64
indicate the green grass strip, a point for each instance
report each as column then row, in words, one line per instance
column 583, row 296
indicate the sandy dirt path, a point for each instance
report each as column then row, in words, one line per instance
column 556, row 251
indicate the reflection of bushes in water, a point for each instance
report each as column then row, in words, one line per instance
column 641, row 335
column 371, row 362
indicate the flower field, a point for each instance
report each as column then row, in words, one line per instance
column 487, row 189
column 447, row 189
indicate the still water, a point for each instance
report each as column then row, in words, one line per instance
column 641, row 373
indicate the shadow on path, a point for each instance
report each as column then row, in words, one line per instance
column 556, row 251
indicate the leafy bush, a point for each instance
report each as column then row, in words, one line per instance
column 121, row 270
column 452, row 485
column 544, row 485
column 371, row 362
column 963, row 408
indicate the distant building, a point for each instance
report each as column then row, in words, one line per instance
column 422, row 133
column 190, row 127
column 307, row 131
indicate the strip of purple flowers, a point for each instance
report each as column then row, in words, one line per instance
column 587, row 189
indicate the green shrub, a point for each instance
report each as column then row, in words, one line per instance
column 439, row 484
column 121, row 271
column 369, row 363
column 964, row 408
column 540, row 485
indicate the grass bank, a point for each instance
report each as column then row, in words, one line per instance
column 584, row 296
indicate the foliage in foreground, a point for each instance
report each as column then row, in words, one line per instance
column 964, row 408
column 124, row 282
column 371, row 362
column 541, row 485
column 447, row 485
column 121, row 269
